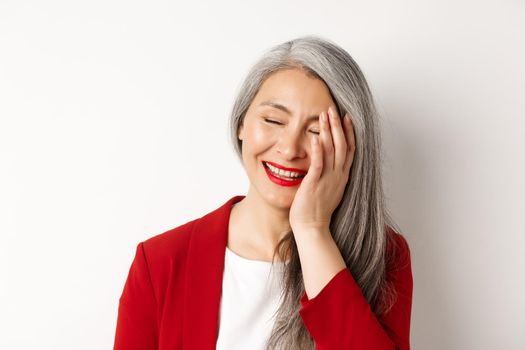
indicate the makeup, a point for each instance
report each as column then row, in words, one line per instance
column 275, row 174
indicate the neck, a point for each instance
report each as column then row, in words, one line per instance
column 259, row 224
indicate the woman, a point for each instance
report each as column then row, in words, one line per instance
column 308, row 259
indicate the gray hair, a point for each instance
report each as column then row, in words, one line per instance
column 360, row 224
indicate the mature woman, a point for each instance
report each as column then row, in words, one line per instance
column 308, row 258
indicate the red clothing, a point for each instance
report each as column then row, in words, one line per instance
column 172, row 295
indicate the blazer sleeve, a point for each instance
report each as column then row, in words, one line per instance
column 137, row 326
column 339, row 317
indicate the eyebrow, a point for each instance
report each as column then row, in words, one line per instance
column 285, row 109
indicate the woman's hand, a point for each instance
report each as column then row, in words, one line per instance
column 322, row 188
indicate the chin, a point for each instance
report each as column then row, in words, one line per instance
column 280, row 197
column 280, row 200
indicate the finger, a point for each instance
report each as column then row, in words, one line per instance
column 326, row 142
column 338, row 136
column 350, row 137
column 316, row 164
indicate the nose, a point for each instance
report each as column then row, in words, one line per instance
column 291, row 145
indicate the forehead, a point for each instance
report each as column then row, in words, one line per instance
column 294, row 89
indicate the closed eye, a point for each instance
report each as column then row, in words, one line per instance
column 279, row 123
column 272, row 121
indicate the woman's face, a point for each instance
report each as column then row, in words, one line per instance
column 278, row 128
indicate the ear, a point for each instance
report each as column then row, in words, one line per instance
column 240, row 134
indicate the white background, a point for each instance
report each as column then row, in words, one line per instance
column 113, row 128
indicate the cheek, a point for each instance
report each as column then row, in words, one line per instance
column 259, row 138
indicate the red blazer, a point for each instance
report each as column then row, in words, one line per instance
column 172, row 294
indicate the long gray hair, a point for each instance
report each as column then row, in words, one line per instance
column 360, row 224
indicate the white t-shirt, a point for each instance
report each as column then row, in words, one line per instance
column 250, row 297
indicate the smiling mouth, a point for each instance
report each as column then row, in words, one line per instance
column 282, row 174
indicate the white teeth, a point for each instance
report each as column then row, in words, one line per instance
column 281, row 172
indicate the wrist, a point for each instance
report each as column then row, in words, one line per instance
column 311, row 232
column 313, row 227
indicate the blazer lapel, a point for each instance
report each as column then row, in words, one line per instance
column 204, row 277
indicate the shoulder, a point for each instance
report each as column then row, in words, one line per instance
column 173, row 245
column 162, row 259
column 398, row 270
column 398, row 251
column 169, row 244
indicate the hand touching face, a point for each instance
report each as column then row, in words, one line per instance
column 323, row 187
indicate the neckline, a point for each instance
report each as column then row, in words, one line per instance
column 252, row 261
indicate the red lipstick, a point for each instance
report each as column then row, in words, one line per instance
column 300, row 171
column 281, row 181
